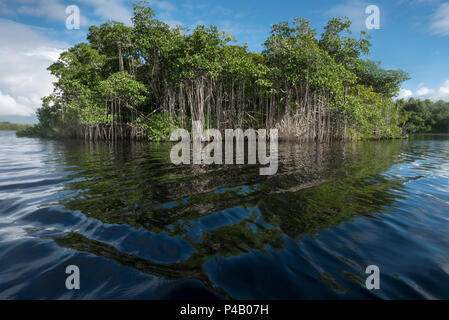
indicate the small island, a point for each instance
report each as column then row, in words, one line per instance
column 179, row 164
column 140, row 82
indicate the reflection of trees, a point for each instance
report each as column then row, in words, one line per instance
column 317, row 186
column 188, row 269
column 226, row 241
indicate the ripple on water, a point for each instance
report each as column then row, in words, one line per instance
column 140, row 227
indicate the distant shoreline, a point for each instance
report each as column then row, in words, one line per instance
column 8, row 126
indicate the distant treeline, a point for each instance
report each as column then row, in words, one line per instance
column 421, row 116
column 142, row 81
column 13, row 126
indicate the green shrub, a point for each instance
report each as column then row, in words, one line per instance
column 30, row 131
column 13, row 126
column 160, row 126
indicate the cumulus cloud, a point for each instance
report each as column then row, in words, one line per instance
column 27, row 51
column 10, row 106
column 441, row 93
column 25, row 54
column 404, row 94
column 440, row 20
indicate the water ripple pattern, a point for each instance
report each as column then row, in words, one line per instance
column 139, row 227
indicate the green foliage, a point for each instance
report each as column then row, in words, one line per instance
column 13, row 126
column 336, row 40
column 420, row 116
column 159, row 127
column 106, row 84
column 30, row 131
column 383, row 81
column 122, row 86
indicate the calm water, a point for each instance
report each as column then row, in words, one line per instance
column 140, row 227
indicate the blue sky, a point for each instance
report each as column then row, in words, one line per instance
column 413, row 36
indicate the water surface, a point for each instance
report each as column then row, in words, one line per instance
column 139, row 227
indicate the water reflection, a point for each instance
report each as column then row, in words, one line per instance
column 140, row 227
column 181, row 217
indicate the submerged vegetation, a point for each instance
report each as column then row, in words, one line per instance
column 138, row 82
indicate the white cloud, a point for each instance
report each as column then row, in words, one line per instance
column 404, row 94
column 424, row 92
column 117, row 10
column 25, row 54
column 441, row 93
column 9, row 106
column 440, row 20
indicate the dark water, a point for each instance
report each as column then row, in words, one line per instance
column 140, row 227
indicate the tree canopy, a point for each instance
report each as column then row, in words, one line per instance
column 421, row 116
column 140, row 81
